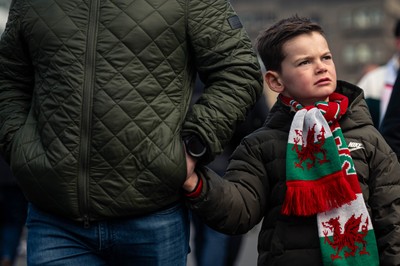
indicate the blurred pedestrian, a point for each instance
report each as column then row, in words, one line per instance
column 13, row 208
column 318, row 174
column 378, row 83
column 94, row 99
column 390, row 126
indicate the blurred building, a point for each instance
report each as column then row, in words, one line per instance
column 359, row 32
column 4, row 4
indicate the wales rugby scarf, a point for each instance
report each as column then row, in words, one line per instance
column 321, row 180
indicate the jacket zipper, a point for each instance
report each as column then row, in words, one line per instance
column 88, row 86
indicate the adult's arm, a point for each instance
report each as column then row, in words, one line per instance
column 16, row 80
column 228, row 67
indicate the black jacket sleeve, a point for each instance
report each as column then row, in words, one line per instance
column 235, row 203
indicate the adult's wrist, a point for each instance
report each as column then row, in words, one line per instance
column 194, row 146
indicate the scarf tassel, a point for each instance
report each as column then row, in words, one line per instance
column 305, row 198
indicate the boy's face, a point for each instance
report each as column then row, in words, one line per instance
column 308, row 73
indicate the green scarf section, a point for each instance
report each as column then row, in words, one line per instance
column 321, row 180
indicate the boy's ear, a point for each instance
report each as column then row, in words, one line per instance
column 272, row 79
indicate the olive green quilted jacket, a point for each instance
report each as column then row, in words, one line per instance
column 94, row 98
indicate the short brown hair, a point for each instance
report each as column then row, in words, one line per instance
column 271, row 40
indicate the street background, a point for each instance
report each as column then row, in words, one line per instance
column 359, row 33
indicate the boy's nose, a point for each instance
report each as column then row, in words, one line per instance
column 321, row 67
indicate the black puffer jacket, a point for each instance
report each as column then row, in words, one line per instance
column 256, row 189
column 94, row 98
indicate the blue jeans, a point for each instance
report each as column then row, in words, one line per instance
column 161, row 238
column 214, row 248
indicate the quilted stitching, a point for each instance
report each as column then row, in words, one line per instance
column 59, row 26
column 138, row 101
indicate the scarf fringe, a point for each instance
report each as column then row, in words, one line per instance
column 322, row 195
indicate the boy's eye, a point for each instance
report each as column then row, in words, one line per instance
column 305, row 62
column 327, row 57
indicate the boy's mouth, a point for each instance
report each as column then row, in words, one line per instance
column 323, row 80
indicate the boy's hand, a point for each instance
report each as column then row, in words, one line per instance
column 191, row 176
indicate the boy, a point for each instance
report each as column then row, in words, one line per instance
column 321, row 177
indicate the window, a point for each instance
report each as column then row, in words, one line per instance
column 362, row 53
column 362, row 18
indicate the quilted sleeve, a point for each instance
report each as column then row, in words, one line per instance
column 228, row 67
column 240, row 196
column 384, row 187
column 16, row 80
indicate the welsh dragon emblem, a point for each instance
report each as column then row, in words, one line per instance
column 310, row 150
column 348, row 238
